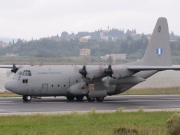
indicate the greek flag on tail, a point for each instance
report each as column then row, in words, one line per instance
column 159, row 51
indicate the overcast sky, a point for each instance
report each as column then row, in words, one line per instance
column 42, row 18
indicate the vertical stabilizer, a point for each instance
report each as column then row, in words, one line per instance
column 158, row 51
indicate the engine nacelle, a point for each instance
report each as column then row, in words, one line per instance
column 91, row 72
column 94, row 74
column 125, row 80
column 121, row 72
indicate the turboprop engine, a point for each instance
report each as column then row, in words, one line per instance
column 92, row 73
column 118, row 72
column 125, row 80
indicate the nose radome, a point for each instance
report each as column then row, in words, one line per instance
column 12, row 85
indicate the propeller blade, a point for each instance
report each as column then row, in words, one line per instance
column 109, row 71
column 14, row 69
column 83, row 71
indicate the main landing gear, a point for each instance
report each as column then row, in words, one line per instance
column 27, row 98
column 80, row 98
column 70, row 98
column 100, row 99
column 90, row 99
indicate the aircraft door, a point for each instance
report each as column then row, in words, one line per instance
column 44, row 88
column 24, row 86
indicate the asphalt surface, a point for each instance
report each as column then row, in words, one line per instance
column 60, row 104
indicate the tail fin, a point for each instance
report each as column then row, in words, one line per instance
column 158, row 51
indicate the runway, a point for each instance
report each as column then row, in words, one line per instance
column 61, row 105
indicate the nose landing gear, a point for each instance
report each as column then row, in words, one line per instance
column 27, row 98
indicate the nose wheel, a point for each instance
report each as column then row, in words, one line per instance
column 27, row 98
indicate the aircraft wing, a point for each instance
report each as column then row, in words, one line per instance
column 6, row 66
column 159, row 68
column 14, row 68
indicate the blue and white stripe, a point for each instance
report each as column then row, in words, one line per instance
column 159, row 51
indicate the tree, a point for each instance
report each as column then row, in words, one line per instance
column 64, row 35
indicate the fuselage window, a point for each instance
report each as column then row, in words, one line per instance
column 25, row 80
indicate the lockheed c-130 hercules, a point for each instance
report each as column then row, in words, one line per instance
column 93, row 81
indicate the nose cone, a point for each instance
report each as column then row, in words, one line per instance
column 12, row 85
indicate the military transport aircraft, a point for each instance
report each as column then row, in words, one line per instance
column 93, row 81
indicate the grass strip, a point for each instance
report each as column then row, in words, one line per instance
column 130, row 123
column 152, row 91
column 8, row 94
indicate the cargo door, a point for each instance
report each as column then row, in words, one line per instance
column 44, row 88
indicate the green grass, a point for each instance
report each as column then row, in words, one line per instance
column 141, row 123
column 8, row 94
column 153, row 91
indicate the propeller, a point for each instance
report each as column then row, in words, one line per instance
column 83, row 71
column 14, row 69
column 109, row 71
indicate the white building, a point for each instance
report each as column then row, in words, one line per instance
column 11, row 54
column 85, row 52
column 103, row 37
column 114, row 56
column 85, row 39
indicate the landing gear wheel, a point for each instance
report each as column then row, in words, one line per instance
column 27, row 98
column 70, row 98
column 79, row 98
column 90, row 99
column 100, row 99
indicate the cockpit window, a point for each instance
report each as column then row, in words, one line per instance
column 25, row 73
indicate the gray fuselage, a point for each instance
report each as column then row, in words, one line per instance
column 55, row 80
